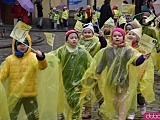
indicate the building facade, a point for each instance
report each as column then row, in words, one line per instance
column 6, row 16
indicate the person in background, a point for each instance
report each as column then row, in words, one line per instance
column 39, row 13
column 100, row 35
column 130, row 25
column 115, row 13
column 125, row 1
column 19, row 13
column 107, row 28
column 78, row 15
column 65, row 16
column 104, row 16
column 51, row 17
column 147, row 26
column 148, row 7
column 57, row 19
column 88, row 14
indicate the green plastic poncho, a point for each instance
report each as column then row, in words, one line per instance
column 92, row 45
column 114, row 70
column 73, row 64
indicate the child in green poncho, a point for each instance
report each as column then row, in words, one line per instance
column 88, row 40
column 73, row 61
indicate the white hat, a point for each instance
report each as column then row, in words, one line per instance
column 89, row 26
column 88, row 6
column 110, row 22
column 138, row 32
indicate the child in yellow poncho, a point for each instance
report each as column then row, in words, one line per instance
column 113, row 69
column 20, row 69
column 145, row 91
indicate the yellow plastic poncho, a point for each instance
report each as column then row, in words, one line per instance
column 4, row 112
column 46, row 86
column 117, row 80
column 145, row 74
column 73, row 63
column 146, row 77
column 92, row 45
column 157, row 66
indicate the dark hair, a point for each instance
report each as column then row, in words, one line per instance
column 124, row 1
column 148, row 1
column 70, row 33
column 107, row 1
column 149, row 23
column 96, row 28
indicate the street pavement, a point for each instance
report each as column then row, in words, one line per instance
column 39, row 43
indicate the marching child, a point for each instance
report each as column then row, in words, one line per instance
column 145, row 91
column 111, row 68
column 107, row 28
column 74, row 60
column 65, row 16
column 88, row 40
column 57, row 19
column 19, row 68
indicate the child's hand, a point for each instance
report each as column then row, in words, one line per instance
column 100, row 33
column 147, row 55
column 38, row 53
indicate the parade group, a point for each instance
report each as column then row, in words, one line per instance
column 109, row 61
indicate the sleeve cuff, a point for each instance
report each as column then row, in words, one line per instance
column 41, row 58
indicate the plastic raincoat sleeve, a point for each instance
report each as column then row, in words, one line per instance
column 110, row 111
column 157, row 66
column 48, row 89
column 147, row 81
column 72, row 67
column 4, row 112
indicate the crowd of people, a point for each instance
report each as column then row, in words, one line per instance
column 110, row 61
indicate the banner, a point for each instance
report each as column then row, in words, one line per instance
column 78, row 26
column 147, row 42
column 50, row 38
column 20, row 31
column 127, row 9
column 74, row 4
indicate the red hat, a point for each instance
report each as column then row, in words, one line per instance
column 119, row 30
column 69, row 32
column 115, row 7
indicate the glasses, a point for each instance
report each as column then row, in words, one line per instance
column 86, row 25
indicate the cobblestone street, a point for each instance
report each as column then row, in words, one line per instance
column 39, row 43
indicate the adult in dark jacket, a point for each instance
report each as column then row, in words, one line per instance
column 105, row 12
column 39, row 12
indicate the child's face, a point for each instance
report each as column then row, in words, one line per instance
column 128, row 29
column 144, row 22
column 106, row 28
column 72, row 39
column 133, row 37
column 117, row 38
column 21, row 47
column 87, row 33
